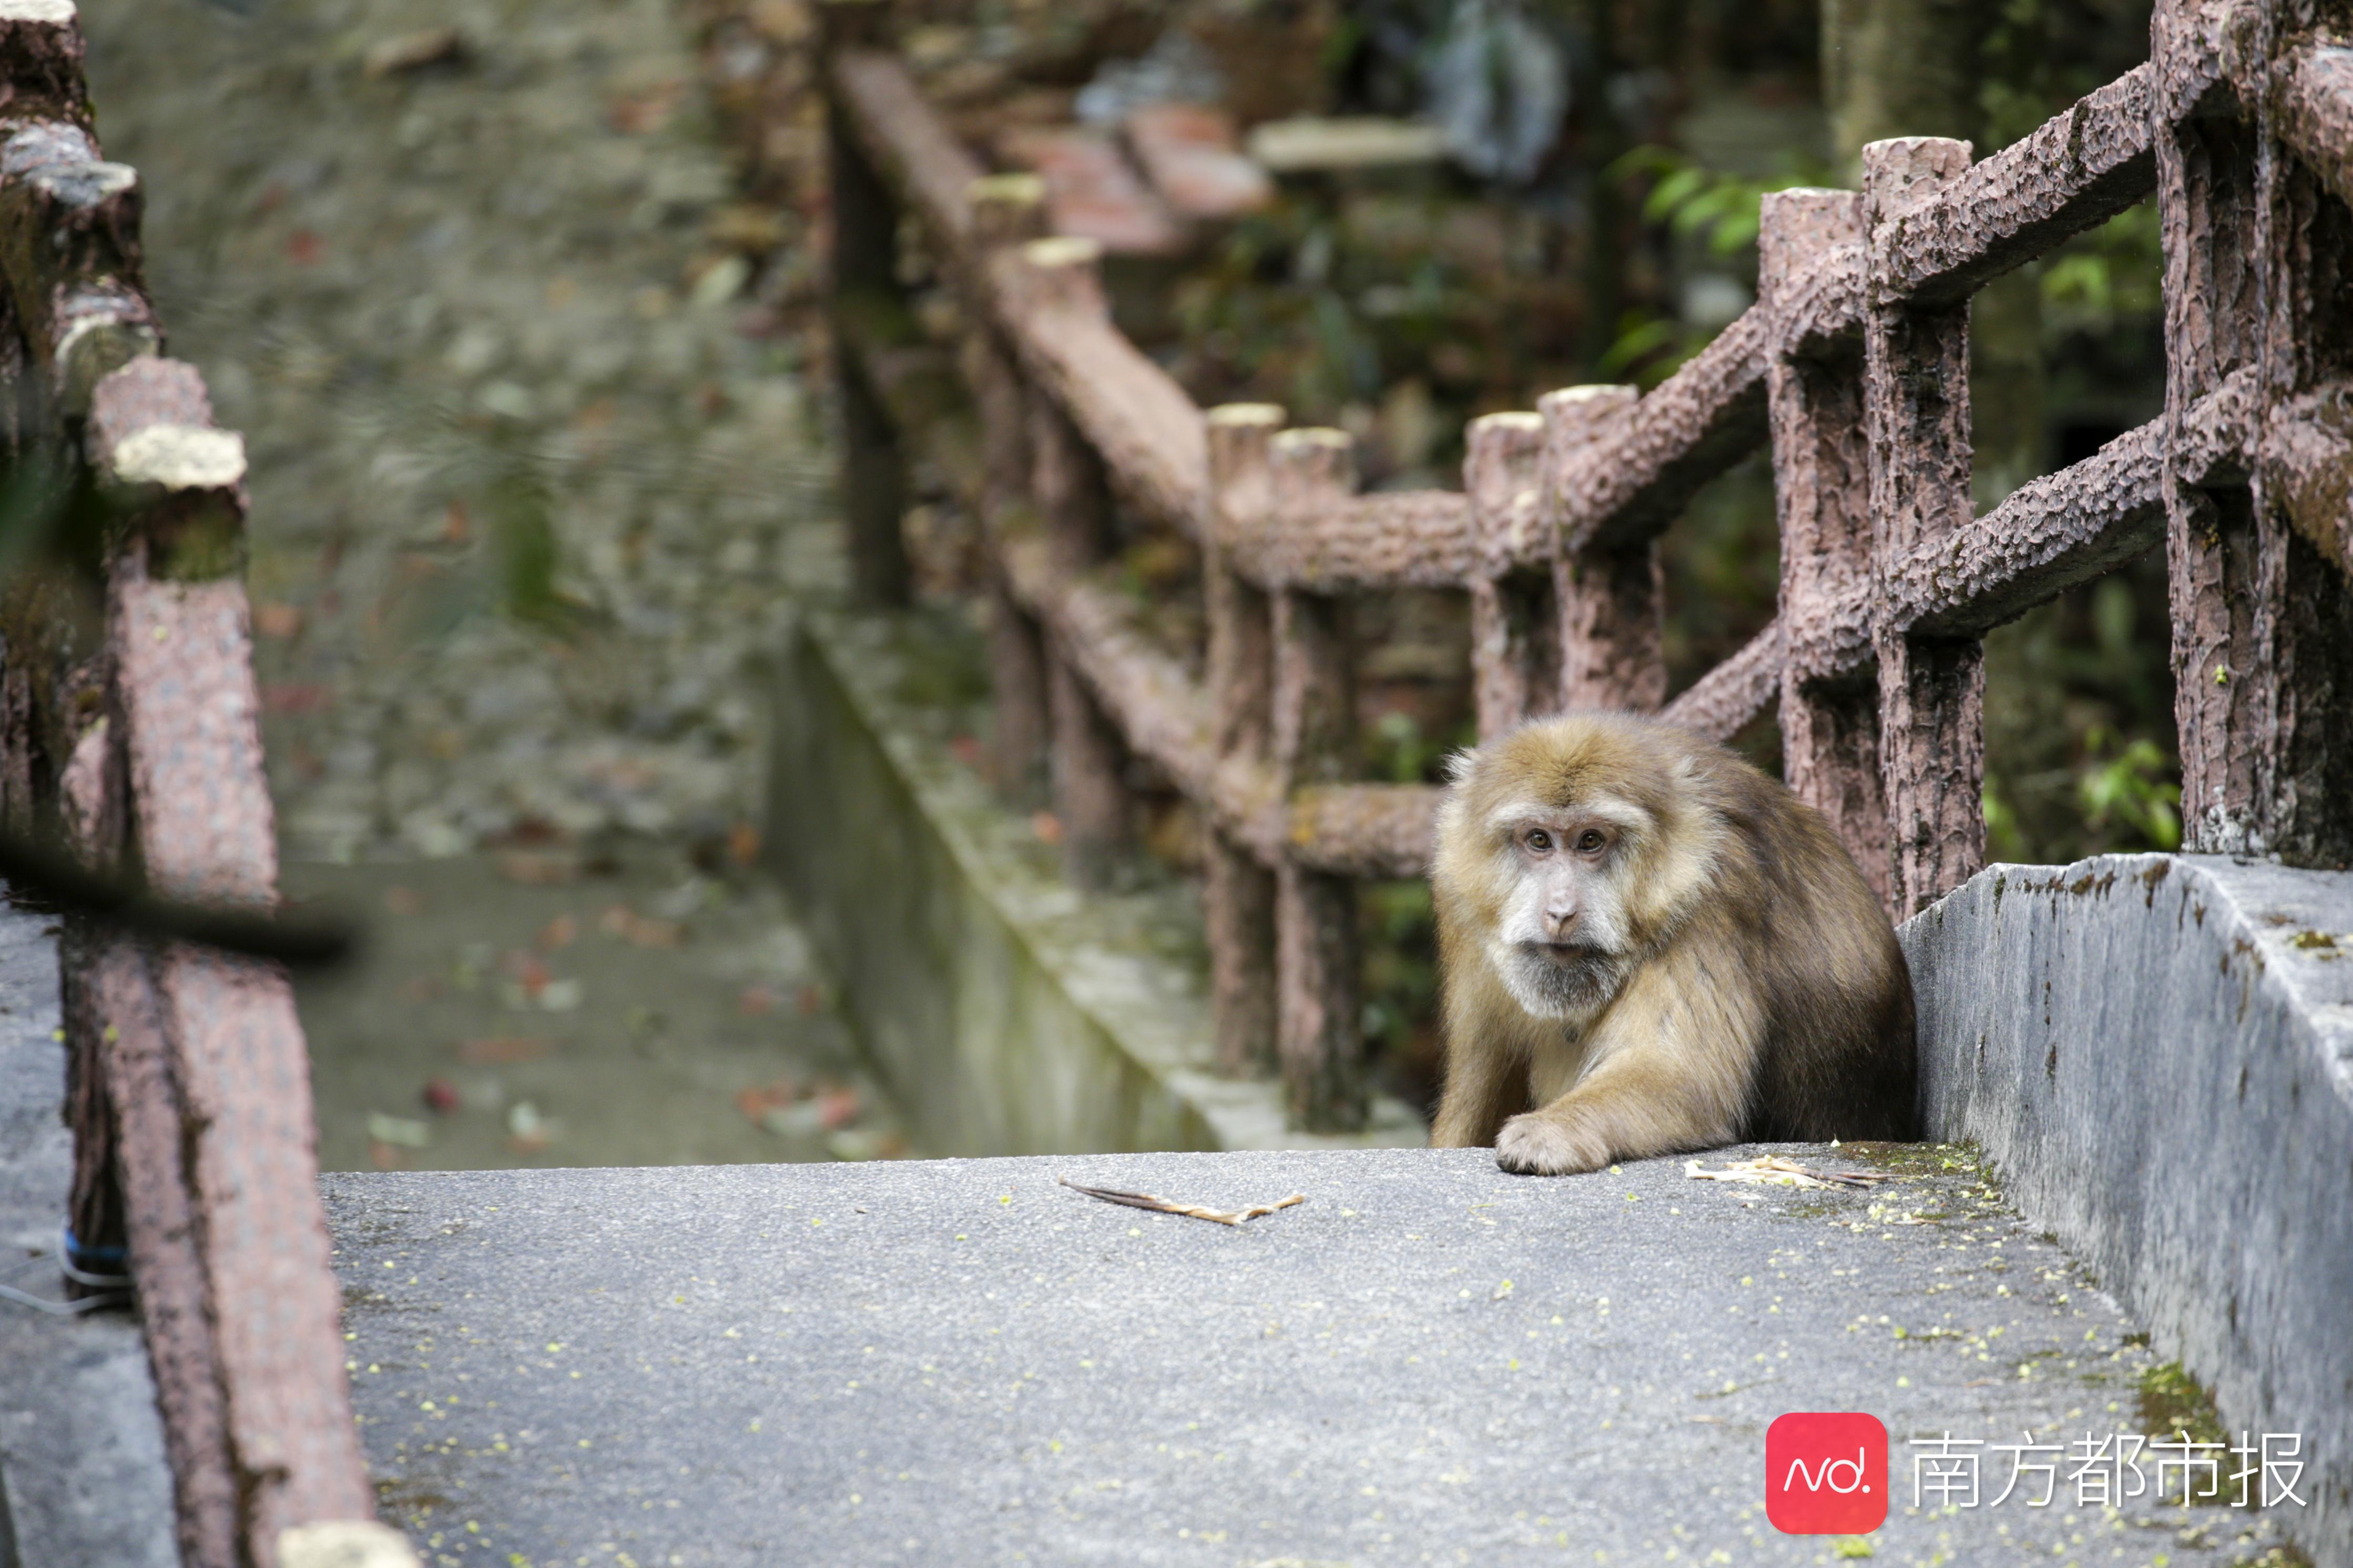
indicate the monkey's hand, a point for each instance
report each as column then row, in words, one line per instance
column 1548, row 1143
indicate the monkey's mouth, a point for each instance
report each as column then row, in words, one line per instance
column 1566, row 954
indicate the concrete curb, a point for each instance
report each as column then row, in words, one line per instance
column 1006, row 1012
column 2157, row 1053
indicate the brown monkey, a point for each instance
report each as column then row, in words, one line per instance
column 1657, row 948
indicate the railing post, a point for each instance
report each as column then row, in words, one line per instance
column 2262, row 621
column 1917, row 413
column 1822, row 492
column 1007, row 209
column 1320, row 1028
column 1089, row 755
column 1238, row 894
column 865, row 259
column 1514, row 627
column 1610, row 602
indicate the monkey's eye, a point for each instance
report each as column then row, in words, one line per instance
column 1590, row 841
column 1539, row 842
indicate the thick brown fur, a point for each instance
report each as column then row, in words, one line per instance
column 1745, row 983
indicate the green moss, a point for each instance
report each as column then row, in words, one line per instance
column 207, row 541
column 1918, row 1159
column 2173, row 1405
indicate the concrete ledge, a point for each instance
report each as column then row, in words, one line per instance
column 1005, row 1012
column 2157, row 1052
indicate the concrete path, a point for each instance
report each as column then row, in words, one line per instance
column 82, row 1479
column 959, row 1362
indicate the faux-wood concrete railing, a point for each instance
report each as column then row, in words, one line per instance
column 1853, row 364
column 128, row 729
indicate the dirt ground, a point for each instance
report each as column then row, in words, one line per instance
column 522, row 469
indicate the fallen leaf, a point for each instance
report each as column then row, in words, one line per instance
column 743, row 844
column 530, row 1131
column 441, row 1096
column 1047, row 827
column 400, row 1130
column 811, row 1000
column 854, row 1143
column 298, row 697
column 757, row 1101
column 559, row 933
column 755, row 1002
column 404, row 900
column 802, row 1119
column 409, row 51
column 838, row 1108
column 625, row 922
column 538, row 868
column 274, row 620
column 504, row 1051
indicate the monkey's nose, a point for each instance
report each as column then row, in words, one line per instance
column 1561, row 922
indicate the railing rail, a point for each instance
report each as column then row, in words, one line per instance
column 1852, row 367
column 128, row 727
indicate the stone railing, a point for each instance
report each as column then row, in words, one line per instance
column 127, row 732
column 1853, row 365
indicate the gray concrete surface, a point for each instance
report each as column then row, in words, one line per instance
column 956, row 1362
column 2157, row 1052
column 1006, row 1012
column 82, row 1478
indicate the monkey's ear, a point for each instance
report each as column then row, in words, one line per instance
column 1459, row 765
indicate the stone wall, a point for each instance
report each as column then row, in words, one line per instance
column 2157, row 1053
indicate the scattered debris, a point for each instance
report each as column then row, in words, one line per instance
column 1164, row 1205
column 1775, row 1171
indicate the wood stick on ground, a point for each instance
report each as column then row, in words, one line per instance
column 1164, row 1205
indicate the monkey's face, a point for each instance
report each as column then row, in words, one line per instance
column 1567, row 850
column 1561, row 944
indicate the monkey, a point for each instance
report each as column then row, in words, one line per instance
column 1646, row 946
